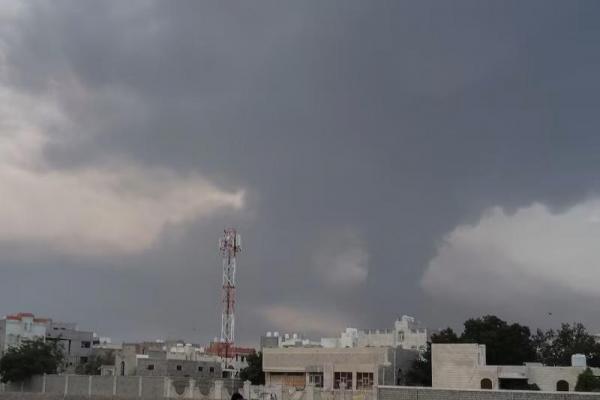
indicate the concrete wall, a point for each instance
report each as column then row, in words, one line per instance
column 85, row 386
column 409, row 393
column 459, row 366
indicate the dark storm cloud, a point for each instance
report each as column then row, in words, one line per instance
column 394, row 121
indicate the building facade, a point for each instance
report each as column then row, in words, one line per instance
column 77, row 345
column 336, row 368
column 16, row 328
column 463, row 366
column 406, row 333
column 166, row 359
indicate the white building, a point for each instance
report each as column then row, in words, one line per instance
column 463, row 366
column 406, row 334
column 14, row 329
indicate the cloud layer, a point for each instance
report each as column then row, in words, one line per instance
column 342, row 258
column 532, row 252
column 117, row 205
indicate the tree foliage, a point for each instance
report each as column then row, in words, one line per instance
column 254, row 371
column 445, row 336
column 92, row 366
column 32, row 357
column 587, row 382
column 557, row 347
column 506, row 344
column 420, row 372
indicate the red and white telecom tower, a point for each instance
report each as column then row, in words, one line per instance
column 229, row 246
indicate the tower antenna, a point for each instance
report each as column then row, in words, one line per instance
column 229, row 246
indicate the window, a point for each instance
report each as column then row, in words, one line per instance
column 486, row 383
column 150, row 367
column 401, row 336
column 211, row 370
column 83, row 360
column 562, row 386
column 200, row 369
column 342, row 380
column 178, row 368
column 316, row 379
column 85, row 345
column 364, row 380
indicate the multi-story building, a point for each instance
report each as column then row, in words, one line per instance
column 336, row 368
column 16, row 328
column 76, row 344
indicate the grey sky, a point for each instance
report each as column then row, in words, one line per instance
column 359, row 147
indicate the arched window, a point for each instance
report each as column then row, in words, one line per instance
column 562, row 386
column 486, row 383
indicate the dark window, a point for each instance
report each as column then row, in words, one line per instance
column 364, row 380
column 85, row 345
column 211, row 370
column 179, row 368
column 200, row 369
column 150, row 367
column 486, row 384
column 342, row 380
column 562, row 386
column 316, row 379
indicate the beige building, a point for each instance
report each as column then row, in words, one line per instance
column 336, row 368
column 463, row 366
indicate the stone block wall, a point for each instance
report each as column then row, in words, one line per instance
column 410, row 393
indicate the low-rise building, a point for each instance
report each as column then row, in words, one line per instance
column 173, row 359
column 463, row 366
column 208, row 369
column 76, row 345
column 336, row 368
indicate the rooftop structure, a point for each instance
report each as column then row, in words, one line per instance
column 407, row 334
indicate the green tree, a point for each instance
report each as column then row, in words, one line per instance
column 32, row 357
column 506, row 344
column 254, row 371
column 419, row 373
column 587, row 382
column 557, row 347
column 92, row 366
column 445, row 336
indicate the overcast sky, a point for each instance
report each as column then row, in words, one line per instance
column 437, row 159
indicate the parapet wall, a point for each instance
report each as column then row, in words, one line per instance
column 414, row 393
